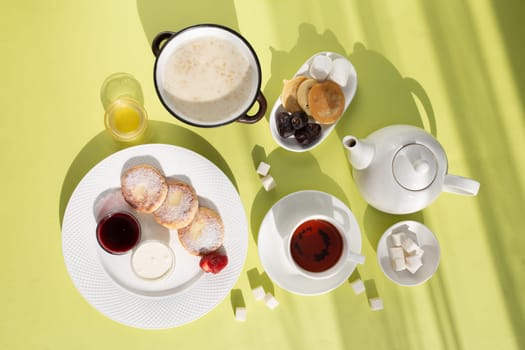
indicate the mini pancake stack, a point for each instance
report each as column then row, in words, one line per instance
column 324, row 101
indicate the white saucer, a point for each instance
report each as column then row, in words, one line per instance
column 280, row 220
column 425, row 239
column 349, row 91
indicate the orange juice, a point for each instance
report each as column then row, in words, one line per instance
column 125, row 119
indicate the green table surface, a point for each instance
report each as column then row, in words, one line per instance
column 452, row 67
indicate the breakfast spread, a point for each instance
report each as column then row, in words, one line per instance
column 309, row 102
column 174, row 204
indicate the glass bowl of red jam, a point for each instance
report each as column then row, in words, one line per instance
column 118, row 233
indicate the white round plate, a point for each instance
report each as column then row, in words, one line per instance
column 281, row 219
column 349, row 90
column 107, row 282
column 425, row 239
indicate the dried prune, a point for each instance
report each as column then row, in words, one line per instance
column 299, row 120
column 284, row 124
column 308, row 134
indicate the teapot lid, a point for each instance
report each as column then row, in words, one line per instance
column 414, row 167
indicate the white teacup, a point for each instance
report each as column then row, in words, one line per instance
column 318, row 247
column 208, row 75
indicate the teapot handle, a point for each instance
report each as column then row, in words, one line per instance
column 460, row 185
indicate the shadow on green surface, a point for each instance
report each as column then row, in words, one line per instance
column 501, row 196
column 160, row 15
column 292, row 172
column 102, row 145
column 376, row 222
column 383, row 96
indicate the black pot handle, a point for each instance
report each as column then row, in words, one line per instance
column 159, row 39
column 250, row 119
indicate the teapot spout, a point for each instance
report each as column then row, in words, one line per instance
column 360, row 153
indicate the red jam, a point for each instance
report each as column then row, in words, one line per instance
column 316, row 245
column 118, row 233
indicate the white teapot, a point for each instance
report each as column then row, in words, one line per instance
column 401, row 169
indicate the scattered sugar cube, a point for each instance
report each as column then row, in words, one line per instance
column 413, row 263
column 268, row 182
column 258, row 293
column 340, row 71
column 240, row 313
column 409, row 245
column 397, row 238
column 396, row 253
column 357, row 258
column 399, row 264
column 358, row 286
column 320, row 67
column 270, row 301
column 263, row 169
column 376, row 303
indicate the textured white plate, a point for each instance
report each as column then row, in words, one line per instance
column 349, row 90
column 425, row 239
column 111, row 289
column 281, row 219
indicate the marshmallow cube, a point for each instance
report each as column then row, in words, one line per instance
column 268, row 183
column 358, row 286
column 418, row 251
column 263, row 169
column 259, row 293
column 375, row 303
column 240, row 313
column 413, row 263
column 340, row 71
column 270, row 301
column 320, row 67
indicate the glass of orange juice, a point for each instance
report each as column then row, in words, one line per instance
column 122, row 98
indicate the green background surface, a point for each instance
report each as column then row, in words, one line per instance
column 454, row 67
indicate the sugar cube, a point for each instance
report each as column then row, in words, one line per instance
column 270, row 301
column 358, row 286
column 398, row 264
column 413, row 263
column 409, row 245
column 258, row 293
column 357, row 258
column 320, row 67
column 340, row 71
column 263, row 168
column 396, row 252
column 397, row 238
column 240, row 313
column 375, row 303
column 418, row 251
column 268, row 182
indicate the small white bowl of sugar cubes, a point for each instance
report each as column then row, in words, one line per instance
column 408, row 253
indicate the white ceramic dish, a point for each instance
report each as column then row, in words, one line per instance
column 107, row 281
column 349, row 90
column 425, row 239
column 282, row 218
